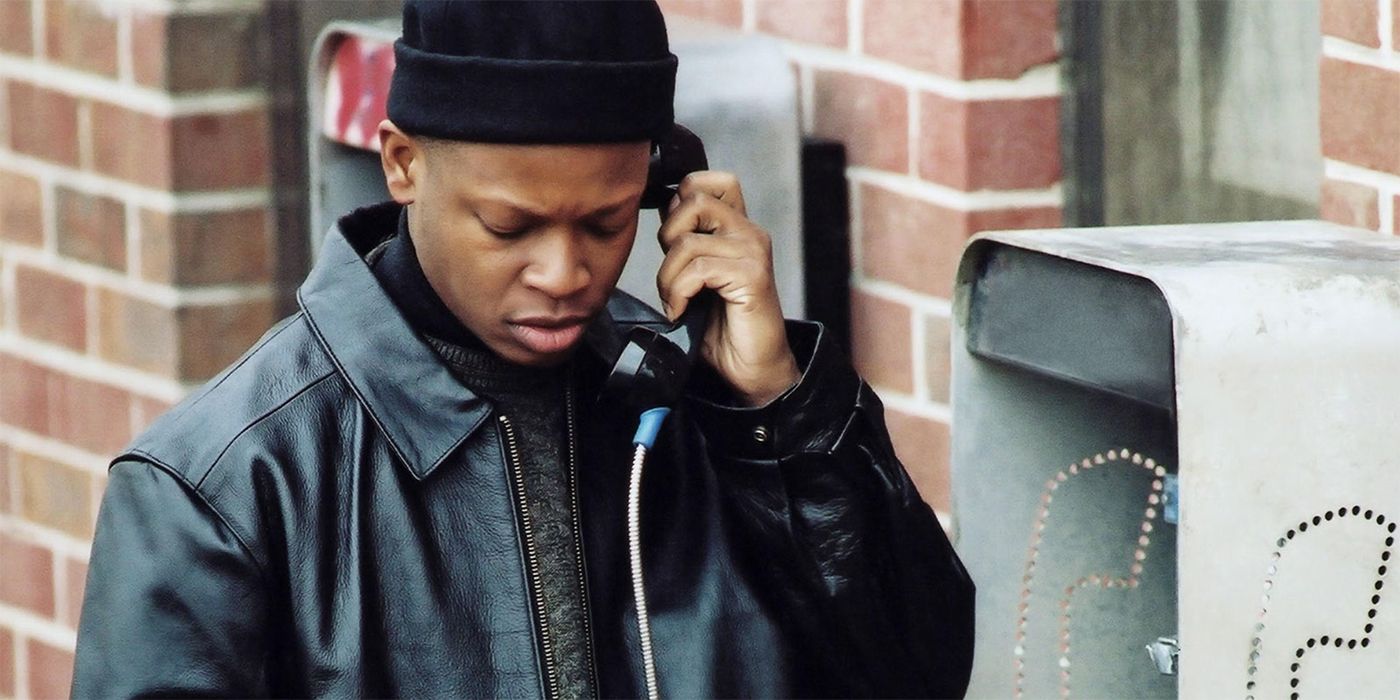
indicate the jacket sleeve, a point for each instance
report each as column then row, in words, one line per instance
column 175, row 604
column 870, row 584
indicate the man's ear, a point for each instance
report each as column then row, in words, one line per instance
column 402, row 159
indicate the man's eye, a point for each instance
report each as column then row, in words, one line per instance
column 503, row 232
column 606, row 231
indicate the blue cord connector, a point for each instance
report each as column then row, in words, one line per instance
column 649, row 425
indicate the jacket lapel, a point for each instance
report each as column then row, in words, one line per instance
column 413, row 398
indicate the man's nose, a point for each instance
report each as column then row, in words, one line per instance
column 559, row 268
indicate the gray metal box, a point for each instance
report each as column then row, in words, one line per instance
column 1187, row 432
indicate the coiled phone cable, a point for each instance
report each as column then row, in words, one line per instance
column 647, row 428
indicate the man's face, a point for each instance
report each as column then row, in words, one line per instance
column 525, row 243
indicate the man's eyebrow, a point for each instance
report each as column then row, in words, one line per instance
column 529, row 211
column 609, row 208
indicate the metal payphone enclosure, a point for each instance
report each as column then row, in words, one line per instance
column 1180, row 431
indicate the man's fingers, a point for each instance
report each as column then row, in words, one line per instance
column 737, row 280
column 693, row 246
column 721, row 185
column 698, row 212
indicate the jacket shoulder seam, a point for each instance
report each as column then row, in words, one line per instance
column 157, row 463
column 265, row 415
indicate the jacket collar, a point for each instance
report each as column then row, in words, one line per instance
column 413, row 398
column 407, row 389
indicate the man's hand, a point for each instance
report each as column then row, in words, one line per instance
column 710, row 242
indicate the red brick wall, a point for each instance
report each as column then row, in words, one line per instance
column 950, row 113
column 135, row 261
column 1360, row 101
column 136, row 253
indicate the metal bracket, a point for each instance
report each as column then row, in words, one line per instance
column 1164, row 653
column 1171, row 500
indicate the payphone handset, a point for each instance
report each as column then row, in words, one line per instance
column 652, row 368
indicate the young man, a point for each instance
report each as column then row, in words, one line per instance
column 412, row 487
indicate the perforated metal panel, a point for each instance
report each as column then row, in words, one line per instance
column 1258, row 367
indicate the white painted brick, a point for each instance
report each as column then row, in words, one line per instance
column 93, row 369
column 152, row 292
column 131, row 194
column 981, row 200
column 890, row 291
column 1387, row 26
column 905, row 403
column 87, row 85
column 27, row 625
column 918, row 336
column 55, row 450
column 855, row 27
column 1333, row 47
column 1040, row 81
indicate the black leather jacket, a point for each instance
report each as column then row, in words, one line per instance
column 334, row 515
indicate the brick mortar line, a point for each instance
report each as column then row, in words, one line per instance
column 48, row 209
column 889, row 291
column 855, row 27
column 134, row 233
column 1038, row 81
column 50, row 632
column 918, row 367
column 856, row 202
column 1387, row 25
column 198, row 7
column 21, row 652
column 1334, row 47
column 942, row 195
column 126, row 71
column 60, row 588
column 748, row 15
column 40, row 536
column 131, row 96
column 904, row 403
column 36, row 25
column 11, row 297
column 809, row 100
column 1347, row 172
column 98, row 371
column 138, row 195
column 152, row 292
column 53, row 449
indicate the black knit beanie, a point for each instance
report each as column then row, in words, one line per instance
column 533, row 72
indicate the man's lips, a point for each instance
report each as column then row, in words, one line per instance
column 548, row 334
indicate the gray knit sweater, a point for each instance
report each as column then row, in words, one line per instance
column 533, row 400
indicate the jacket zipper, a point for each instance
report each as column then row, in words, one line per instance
column 578, row 541
column 532, row 560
